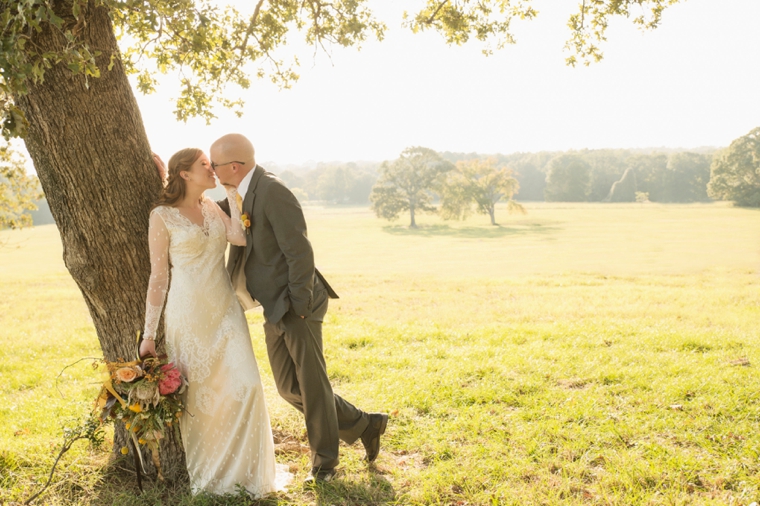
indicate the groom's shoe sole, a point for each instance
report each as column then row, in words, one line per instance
column 371, row 435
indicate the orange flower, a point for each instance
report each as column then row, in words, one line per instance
column 245, row 221
column 126, row 374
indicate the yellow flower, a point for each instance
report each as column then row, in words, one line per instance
column 124, row 450
column 141, row 441
column 136, row 408
column 127, row 425
column 245, row 221
column 179, row 413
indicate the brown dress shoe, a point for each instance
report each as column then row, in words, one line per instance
column 371, row 435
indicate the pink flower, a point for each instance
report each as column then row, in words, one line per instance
column 171, row 380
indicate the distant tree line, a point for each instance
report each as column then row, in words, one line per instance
column 333, row 183
column 608, row 175
column 605, row 175
column 460, row 183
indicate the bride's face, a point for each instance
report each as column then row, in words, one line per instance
column 201, row 174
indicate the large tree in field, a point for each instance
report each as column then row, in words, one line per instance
column 408, row 184
column 735, row 171
column 64, row 89
column 480, row 183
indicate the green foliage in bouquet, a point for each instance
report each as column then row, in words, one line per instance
column 145, row 396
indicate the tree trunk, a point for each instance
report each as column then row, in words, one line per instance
column 492, row 214
column 413, row 223
column 94, row 162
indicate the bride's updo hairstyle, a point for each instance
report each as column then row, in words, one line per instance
column 175, row 188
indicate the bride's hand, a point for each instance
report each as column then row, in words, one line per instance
column 148, row 348
column 160, row 167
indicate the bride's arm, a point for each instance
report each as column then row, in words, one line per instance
column 158, row 240
column 232, row 223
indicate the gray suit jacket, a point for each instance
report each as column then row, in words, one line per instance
column 278, row 258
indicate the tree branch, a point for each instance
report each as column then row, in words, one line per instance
column 251, row 25
column 583, row 14
column 435, row 12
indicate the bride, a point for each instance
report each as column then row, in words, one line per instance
column 225, row 432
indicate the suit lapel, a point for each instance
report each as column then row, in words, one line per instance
column 250, row 197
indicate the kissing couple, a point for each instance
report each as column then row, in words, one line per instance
column 228, row 440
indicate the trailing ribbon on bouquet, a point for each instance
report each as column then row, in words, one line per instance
column 108, row 385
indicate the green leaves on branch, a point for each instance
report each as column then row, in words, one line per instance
column 208, row 46
column 459, row 20
column 588, row 27
column 18, row 191
column 23, row 62
column 212, row 47
column 489, row 22
column 735, row 171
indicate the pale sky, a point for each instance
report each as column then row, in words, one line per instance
column 692, row 82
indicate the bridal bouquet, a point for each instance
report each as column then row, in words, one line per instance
column 146, row 396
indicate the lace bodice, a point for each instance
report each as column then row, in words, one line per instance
column 186, row 246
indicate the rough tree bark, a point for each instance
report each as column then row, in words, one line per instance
column 89, row 146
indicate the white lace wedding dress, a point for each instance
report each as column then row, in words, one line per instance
column 225, row 431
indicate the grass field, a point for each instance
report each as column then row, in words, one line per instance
column 580, row 354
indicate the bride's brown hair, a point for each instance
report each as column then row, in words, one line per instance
column 175, row 188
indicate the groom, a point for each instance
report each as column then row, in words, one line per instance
column 276, row 268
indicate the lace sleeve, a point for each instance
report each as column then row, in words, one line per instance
column 232, row 223
column 158, row 239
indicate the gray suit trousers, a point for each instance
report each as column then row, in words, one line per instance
column 294, row 345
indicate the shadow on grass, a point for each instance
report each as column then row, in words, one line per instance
column 483, row 232
column 376, row 490
column 118, row 487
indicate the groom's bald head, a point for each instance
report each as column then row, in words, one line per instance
column 232, row 148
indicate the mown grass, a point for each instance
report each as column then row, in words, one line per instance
column 581, row 354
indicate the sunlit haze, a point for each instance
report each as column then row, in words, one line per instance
column 690, row 83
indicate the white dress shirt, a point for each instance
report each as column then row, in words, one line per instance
column 245, row 183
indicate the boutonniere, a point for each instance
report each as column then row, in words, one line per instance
column 245, row 221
